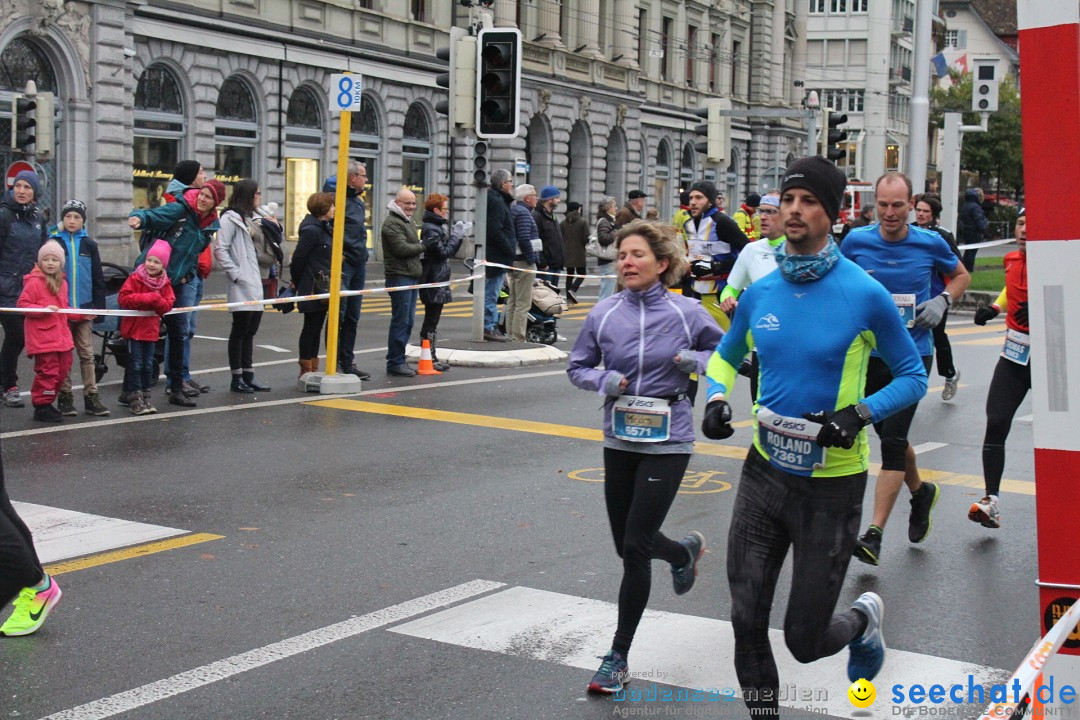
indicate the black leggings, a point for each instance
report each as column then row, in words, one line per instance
column 11, row 349
column 176, row 326
column 576, row 276
column 19, row 564
column 242, row 340
column 943, row 349
column 638, row 491
column 432, row 313
column 310, row 333
column 1007, row 390
column 818, row 518
column 893, row 430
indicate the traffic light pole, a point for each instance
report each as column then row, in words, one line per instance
column 950, row 164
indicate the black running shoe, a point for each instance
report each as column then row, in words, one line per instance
column 868, row 547
column 920, row 521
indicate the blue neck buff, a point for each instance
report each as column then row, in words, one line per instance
column 807, row 268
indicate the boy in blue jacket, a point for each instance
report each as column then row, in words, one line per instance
column 86, row 288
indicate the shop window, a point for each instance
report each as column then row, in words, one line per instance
column 236, row 133
column 158, row 134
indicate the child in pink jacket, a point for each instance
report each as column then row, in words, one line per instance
column 48, row 335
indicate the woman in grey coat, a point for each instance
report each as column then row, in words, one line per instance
column 237, row 254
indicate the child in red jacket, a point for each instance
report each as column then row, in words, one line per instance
column 48, row 336
column 147, row 288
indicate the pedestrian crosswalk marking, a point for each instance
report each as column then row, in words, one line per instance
column 670, row 649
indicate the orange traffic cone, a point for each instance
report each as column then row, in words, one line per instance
column 426, row 367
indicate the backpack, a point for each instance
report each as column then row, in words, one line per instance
column 148, row 236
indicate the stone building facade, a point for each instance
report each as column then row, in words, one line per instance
column 608, row 90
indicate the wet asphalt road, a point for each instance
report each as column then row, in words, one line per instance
column 329, row 513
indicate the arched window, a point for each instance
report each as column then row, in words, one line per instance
column 303, row 120
column 158, row 134
column 416, row 151
column 22, row 60
column 365, row 121
column 662, row 180
column 365, row 145
column 236, row 132
column 686, row 172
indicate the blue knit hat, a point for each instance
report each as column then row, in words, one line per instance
column 549, row 192
column 31, row 179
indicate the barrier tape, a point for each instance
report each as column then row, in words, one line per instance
column 988, row 243
column 243, row 303
column 534, row 271
column 1031, row 668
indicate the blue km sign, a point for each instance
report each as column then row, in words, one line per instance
column 345, row 91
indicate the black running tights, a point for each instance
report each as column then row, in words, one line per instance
column 19, row 564
column 1007, row 390
column 639, row 489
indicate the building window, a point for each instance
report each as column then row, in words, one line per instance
column 416, row 151
column 952, row 38
column 365, row 145
column 837, row 6
column 236, row 132
column 642, row 45
column 22, row 61
column 691, row 54
column 665, row 48
column 662, row 179
column 303, row 122
column 736, row 58
column 419, row 10
column 855, row 100
column 817, row 6
column 158, row 134
column 860, row 6
column 714, row 62
column 304, row 143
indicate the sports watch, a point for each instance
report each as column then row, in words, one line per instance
column 864, row 413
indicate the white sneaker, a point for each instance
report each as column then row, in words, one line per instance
column 949, row 391
column 986, row 513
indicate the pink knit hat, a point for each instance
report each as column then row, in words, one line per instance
column 51, row 247
column 161, row 250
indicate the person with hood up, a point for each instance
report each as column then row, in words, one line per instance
column 575, row 233
column 22, row 232
column 86, row 290
column 196, row 208
column 441, row 242
column 971, row 225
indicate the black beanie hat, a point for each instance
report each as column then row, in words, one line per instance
column 753, row 200
column 75, row 206
column 707, row 189
column 186, row 171
column 819, row 176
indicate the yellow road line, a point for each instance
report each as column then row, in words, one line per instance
column 981, row 341
column 998, row 329
column 66, row 566
column 594, row 434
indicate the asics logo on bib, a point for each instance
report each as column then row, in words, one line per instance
column 639, row 402
column 768, row 322
column 788, row 424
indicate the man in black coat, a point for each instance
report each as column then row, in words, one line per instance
column 972, row 226
column 500, row 247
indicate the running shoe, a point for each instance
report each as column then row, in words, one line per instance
column 612, row 675
column 867, row 652
column 949, row 391
column 868, row 549
column 31, row 609
column 923, row 501
column 683, row 576
column 13, row 398
column 986, row 513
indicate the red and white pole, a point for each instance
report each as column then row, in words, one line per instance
column 1050, row 67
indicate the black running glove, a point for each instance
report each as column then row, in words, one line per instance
column 985, row 314
column 701, row 268
column 838, row 429
column 717, row 422
column 1021, row 314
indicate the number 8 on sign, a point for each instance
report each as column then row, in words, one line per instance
column 346, row 91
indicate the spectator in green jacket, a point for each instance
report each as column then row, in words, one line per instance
column 402, row 263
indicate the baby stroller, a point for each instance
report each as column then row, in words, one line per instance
column 107, row 327
column 546, row 305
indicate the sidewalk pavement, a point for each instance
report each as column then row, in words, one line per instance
column 466, row 353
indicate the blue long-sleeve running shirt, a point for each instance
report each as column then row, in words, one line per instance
column 904, row 268
column 813, row 342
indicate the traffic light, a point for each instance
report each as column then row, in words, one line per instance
column 832, row 135
column 984, row 86
column 480, row 162
column 716, row 130
column 44, row 123
column 498, row 82
column 23, row 123
column 459, row 79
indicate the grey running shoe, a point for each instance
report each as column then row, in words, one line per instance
column 13, row 398
column 949, row 391
column 683, row 576
column 986, row 513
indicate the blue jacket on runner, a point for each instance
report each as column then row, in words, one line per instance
column 637, row 335
column 82, row 266
column 813, row 342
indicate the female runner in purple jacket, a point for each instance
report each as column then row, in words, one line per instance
column 649, row 340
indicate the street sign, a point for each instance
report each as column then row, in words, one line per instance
column 14, row 169
column 521, row 167
column 346, row 90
